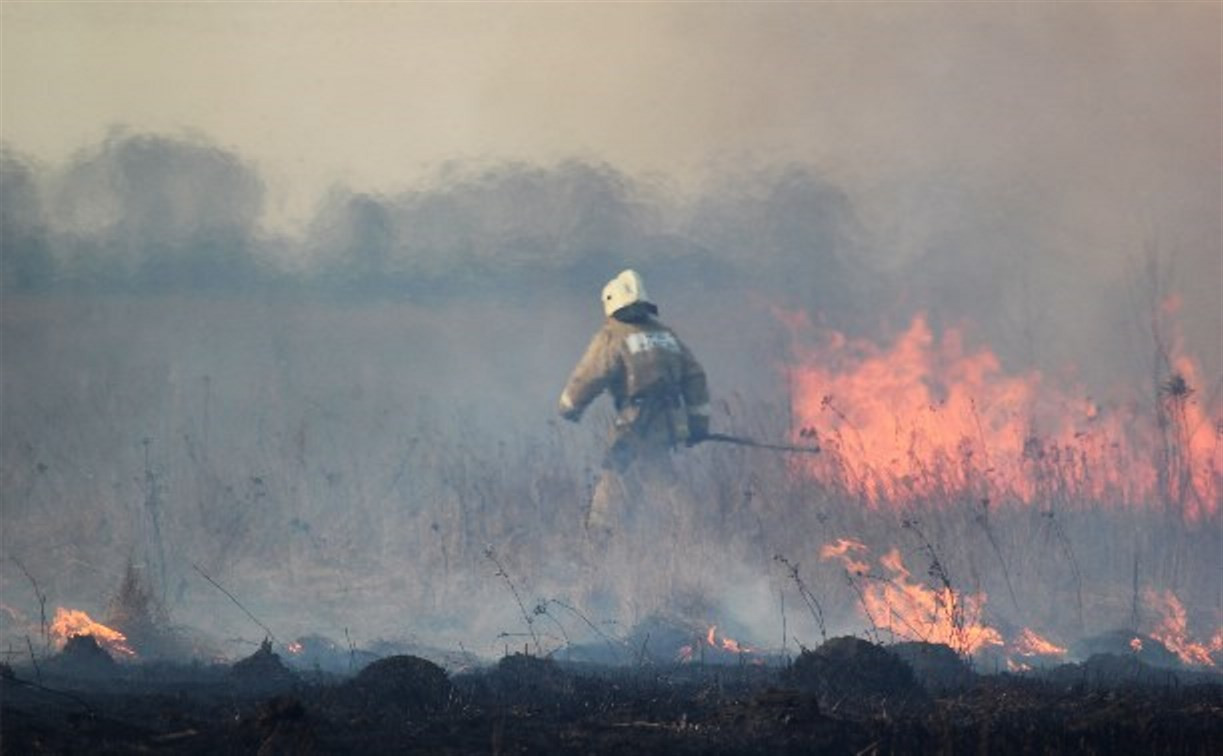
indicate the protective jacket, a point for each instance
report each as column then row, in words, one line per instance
column 655, row 382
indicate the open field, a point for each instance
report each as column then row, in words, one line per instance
column 388, row 472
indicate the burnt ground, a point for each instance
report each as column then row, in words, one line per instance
column 847, row 696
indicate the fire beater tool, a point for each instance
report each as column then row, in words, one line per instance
column 743, row 441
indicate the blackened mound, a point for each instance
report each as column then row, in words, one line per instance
column 523, row 676
column 85, row 648
column 1113, row 671
column 851, row 672
column 263, row 670
column 407, row 683
column 83, row 657
column 936, row 666
column 1126, row 643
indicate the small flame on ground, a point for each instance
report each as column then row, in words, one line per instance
column 727, row 644
column 295, row 647
column 73, row 622
column 1173, row 630
column 911, row 610
column 1029, row 643
column 711, row 639
column 1136, row 645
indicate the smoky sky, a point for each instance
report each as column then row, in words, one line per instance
column 146, row 213
column 1011, row 165
column 1099, row 112
column 259, row 251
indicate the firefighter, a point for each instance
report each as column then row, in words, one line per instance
column 660, row 397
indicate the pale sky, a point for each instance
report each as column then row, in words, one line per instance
column 1109, row 107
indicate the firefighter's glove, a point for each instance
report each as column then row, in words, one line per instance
column 698, row 430
column 572, row 415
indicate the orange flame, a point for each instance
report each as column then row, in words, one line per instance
column 913, row 611
column 73, row 622
column 1030, row 644
column 1172, row 630
column 728, row 644
column 931, row 418
column 840, row 549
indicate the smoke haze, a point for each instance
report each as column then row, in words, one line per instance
column 251, row 331
column 151, row 213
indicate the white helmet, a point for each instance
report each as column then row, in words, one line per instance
column 624, row 290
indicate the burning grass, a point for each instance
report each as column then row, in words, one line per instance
column 932, row 419
column 768, row 558
column 968, row 525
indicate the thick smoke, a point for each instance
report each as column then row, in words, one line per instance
column 143, row 212
column 150, row 213
column 365, row 407
column 26, row 263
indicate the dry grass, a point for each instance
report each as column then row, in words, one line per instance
column 344, row 468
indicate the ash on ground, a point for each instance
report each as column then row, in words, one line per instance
column 846, row 696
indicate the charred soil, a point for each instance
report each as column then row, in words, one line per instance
column 846, row 697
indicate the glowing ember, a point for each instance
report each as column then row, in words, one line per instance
column 1172, row 630
column 711, row 640
column 295, row 647
column 1030, row 644
column 913, row 611
column 929, row 419
column 1136, row 645
column 73, row 622
column 731, row 645
column 727, row 644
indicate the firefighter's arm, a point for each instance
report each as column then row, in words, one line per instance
column 589, row 378
column 696, row 398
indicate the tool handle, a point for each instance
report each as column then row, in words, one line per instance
column 743, row 441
